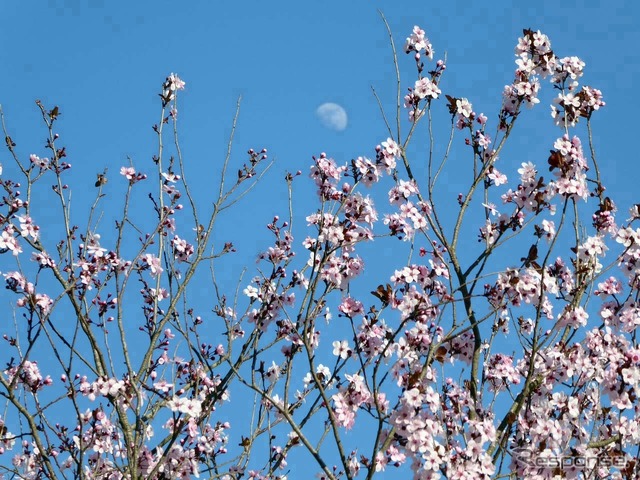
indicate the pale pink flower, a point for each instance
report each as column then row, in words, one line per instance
column 418, row 42
column 9, row 242
column 549, row 228
column 426, row 88
column 341, row 349
column 43, row 163
column 463, row 107
column 128, row 172
column 28, row 228
column 153, row 263
column 497, row 177
column 163, row 386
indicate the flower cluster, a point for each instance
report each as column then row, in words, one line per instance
column 326, row 173
column 27, row 374
column 534, row 57
column 130, row 174
column 182, row 250
column 172, row 84
column 411, row 217
column 424, row 90
column 39, row 303
column 630, row 259
column 7, row 439
column 427, row 360
column 570, row 105
column 418, row 42
column 8, row 241
column 350, row 398
column 501, row 372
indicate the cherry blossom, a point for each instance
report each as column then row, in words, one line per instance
column 457, row 358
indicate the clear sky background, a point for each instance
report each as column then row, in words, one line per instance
column 103, row 63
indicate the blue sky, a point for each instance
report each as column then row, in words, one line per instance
column 103, row 63
column 285, row 59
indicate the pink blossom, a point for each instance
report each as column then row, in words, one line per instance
column 426, row 88
column 418, row 42
column 497, row 177
column 43, row 259
column 42, row 163
column 128, row 172
column 153, row 263
column 463, row 107
column 182, row 249
column 28, row 228
column 341, row 349
column 163, row 386
column 28, row 374
column 549, row 229
column 9, row 242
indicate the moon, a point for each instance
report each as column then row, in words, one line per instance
column 332, row 116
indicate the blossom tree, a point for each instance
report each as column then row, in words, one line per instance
column 499, row 341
